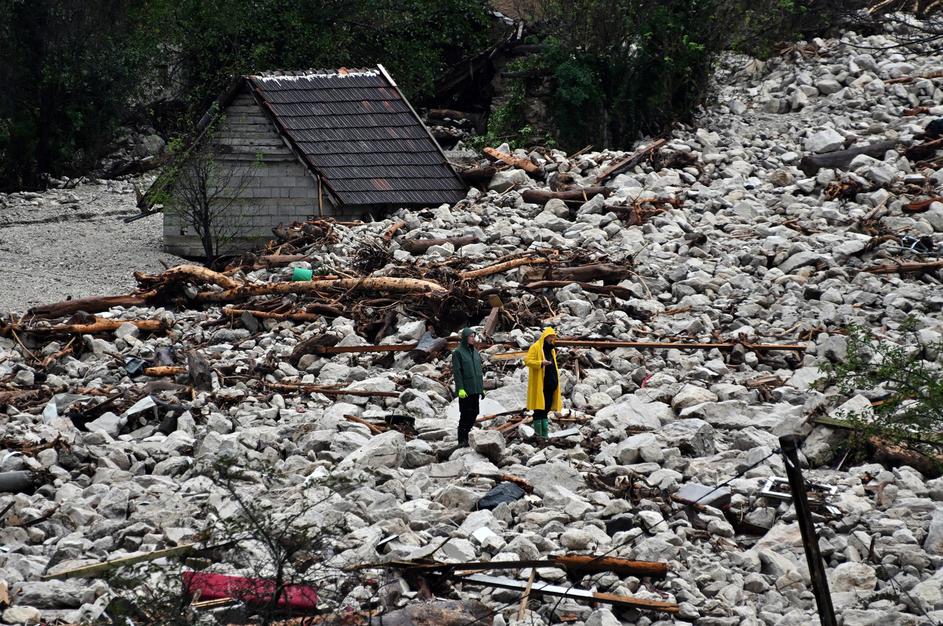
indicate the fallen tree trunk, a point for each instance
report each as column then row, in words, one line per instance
column 194, row 273
column 906, row 267
column 16, row 482
column 382, row 283
column 95, row 304
column 100, row 325
column 607, row 272
column 620, row 165
column 420, row 246
column 542, row 196
column 504, row 267
column 519, row 162
column 812, row 163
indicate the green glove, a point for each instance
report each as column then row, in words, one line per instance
column 462, row 394
column 482, row 393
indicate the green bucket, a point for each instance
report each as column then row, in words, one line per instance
column 300, row 273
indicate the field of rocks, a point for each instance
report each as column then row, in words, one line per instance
column 719, row 236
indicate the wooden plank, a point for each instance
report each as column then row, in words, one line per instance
column 92, row 571
column 577, row 594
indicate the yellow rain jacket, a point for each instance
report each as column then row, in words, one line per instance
column 535, row 378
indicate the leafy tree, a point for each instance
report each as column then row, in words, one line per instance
column 905, row 377
column 68, row 72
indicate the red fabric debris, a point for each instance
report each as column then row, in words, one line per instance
column 249, row 590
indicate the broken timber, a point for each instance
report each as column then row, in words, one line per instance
column 905, row 268
column 811, row 164
column 331, row 391
column 519, row 162
column 575, row 594
column 382, row 283
column 100, row 325
column 505, row 266
column 94, row 304
column 578, row 563
column 542, row 196
column 626, row 163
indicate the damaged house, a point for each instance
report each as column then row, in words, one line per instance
column 285, row 147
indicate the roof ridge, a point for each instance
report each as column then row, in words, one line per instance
column 342, row 72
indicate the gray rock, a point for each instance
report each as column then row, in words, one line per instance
column 692, row 436
column 549, row 475
column 506, row 179
column 852, row 576
column 827, row 140
column 52, row 594
column 602, row 617
column 488, row 443
column 107, row 423
column 22, row 615
column 933, row 544
column 691, row 395
column 385, row 450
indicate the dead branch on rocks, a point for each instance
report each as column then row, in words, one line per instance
column 626, row 163
column 193, row 273
column 607, row 272
column 99, row 325
column 582, row 194
column 382, row 284
column 505, row 266
column 812, row 163
column 95, row 304
column 906, row 267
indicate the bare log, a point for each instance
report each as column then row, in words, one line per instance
column 100, row 325
column 608, row 272
column 519, row 162
column 907, row 267
column 542, row 196
column 95, row 304
column 373, row 428
column 812, row 163
column 165, row 370
column 392, row 230
column 382, row 283
column 504, row 267
column 195, row 273
column 294, row 316
column 420, row 246
column 626, row 163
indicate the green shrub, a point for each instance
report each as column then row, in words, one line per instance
column 909, row 387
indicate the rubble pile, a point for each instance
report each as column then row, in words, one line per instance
column 332, row 397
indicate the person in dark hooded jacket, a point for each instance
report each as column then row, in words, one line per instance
column 469, row 385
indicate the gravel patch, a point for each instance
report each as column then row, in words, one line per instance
column 66, row 243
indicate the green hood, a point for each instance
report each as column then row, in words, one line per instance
column 466, row 333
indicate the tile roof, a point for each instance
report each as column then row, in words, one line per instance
column 356, row 129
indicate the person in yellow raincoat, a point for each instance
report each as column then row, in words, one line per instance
column 543, row 380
